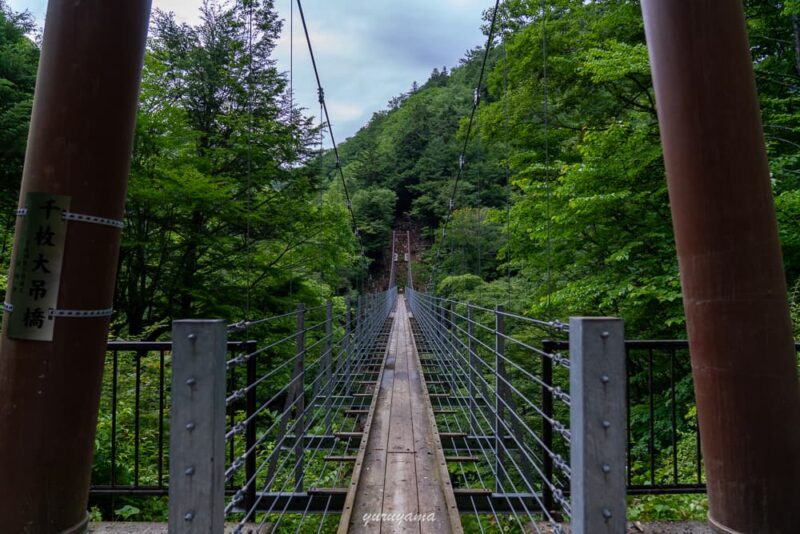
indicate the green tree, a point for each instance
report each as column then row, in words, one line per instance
column 474, row 237
column 590, row 224
column 374, row 210
column 222, row 214
column 19, row 58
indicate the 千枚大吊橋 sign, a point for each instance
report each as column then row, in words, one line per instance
column 36, row 272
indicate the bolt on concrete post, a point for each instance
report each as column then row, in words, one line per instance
column 597, row 385
column 197, row 437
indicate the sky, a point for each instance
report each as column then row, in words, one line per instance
column 367, row 50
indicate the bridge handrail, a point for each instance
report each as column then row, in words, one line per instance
column 487, row 368
column 653, row 429
column 267, row 458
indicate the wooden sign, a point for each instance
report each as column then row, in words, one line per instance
column 37, row 267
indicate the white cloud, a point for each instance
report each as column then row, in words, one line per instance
column 367, row 50
column 345, row 111
column 468, row 4
column 185, row 11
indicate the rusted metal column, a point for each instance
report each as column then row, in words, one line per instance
column 734, row 290
column 409, row 274
column 79, row 145
column 393, row 259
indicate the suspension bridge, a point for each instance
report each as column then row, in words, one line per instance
column 400, row 410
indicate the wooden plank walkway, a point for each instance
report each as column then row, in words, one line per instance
column 400, row 481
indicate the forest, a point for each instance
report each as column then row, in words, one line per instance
column 562, row 207
column 233, row 210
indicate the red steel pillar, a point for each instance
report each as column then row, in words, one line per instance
column 734, row 290
column 79, row 146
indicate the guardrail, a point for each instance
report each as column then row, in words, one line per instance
column 131, row 463
column 663, row 454
column 132, row 443
column 298, row 383
column 548, row 431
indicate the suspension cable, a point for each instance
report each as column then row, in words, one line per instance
column 321, row 95
column 546, row 125
column 247, row 240
column 507, row 166
column 462, row 157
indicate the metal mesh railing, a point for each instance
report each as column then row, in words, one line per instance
column 506, row 407
column 290, row 412
column 522, row 423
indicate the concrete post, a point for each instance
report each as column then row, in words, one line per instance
column 197, row 436
column 597, row 385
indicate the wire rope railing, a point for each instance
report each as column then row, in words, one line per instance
column 507, row 430
column 287, row 409
column 512, row 406
column 132, row 452
column 288, row 406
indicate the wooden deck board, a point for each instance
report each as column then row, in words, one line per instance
column 401, row 471
column 401, row 434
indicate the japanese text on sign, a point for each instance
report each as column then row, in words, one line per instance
column 37, row 267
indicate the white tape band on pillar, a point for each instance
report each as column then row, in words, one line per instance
column 80, row 217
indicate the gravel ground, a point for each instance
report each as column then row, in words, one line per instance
column 633, row 528
column 691, row 527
